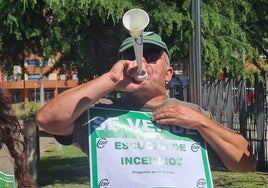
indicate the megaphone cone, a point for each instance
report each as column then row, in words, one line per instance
column 135, row 20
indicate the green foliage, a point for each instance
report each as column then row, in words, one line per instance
column 224, row 42
column 88, row 33
column 25, row 111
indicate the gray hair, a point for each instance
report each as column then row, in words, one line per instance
column 167, row 59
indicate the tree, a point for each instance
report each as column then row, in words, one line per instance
column 224, row 42
column 88, row 33
column 46, row 27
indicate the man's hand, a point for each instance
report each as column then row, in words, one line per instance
column 178, row 115
column 123, row 73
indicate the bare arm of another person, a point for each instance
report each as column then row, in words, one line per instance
column 230, row 146
column 59, row 114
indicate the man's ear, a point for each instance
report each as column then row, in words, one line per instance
column 169, row 74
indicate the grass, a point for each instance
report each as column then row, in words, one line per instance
column 69, row 168
column 240, row 180
column 66, row 168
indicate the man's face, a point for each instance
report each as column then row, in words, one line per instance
column 155, row 63
column 159, row 73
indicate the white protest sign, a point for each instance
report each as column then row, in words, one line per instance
column 128, row 150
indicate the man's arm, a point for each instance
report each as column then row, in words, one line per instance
column 59, row 114
column 231, row 147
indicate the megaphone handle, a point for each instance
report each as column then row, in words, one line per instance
column 138, row 50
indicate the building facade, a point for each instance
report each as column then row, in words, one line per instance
column 26, row 84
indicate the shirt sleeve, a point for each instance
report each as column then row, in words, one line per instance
column 64, row 140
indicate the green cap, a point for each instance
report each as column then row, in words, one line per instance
column 147, row 38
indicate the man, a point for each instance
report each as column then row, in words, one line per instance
column 64, row 115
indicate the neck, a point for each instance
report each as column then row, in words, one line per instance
column 146, row 100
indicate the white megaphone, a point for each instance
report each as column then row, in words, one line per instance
column 135, row 20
